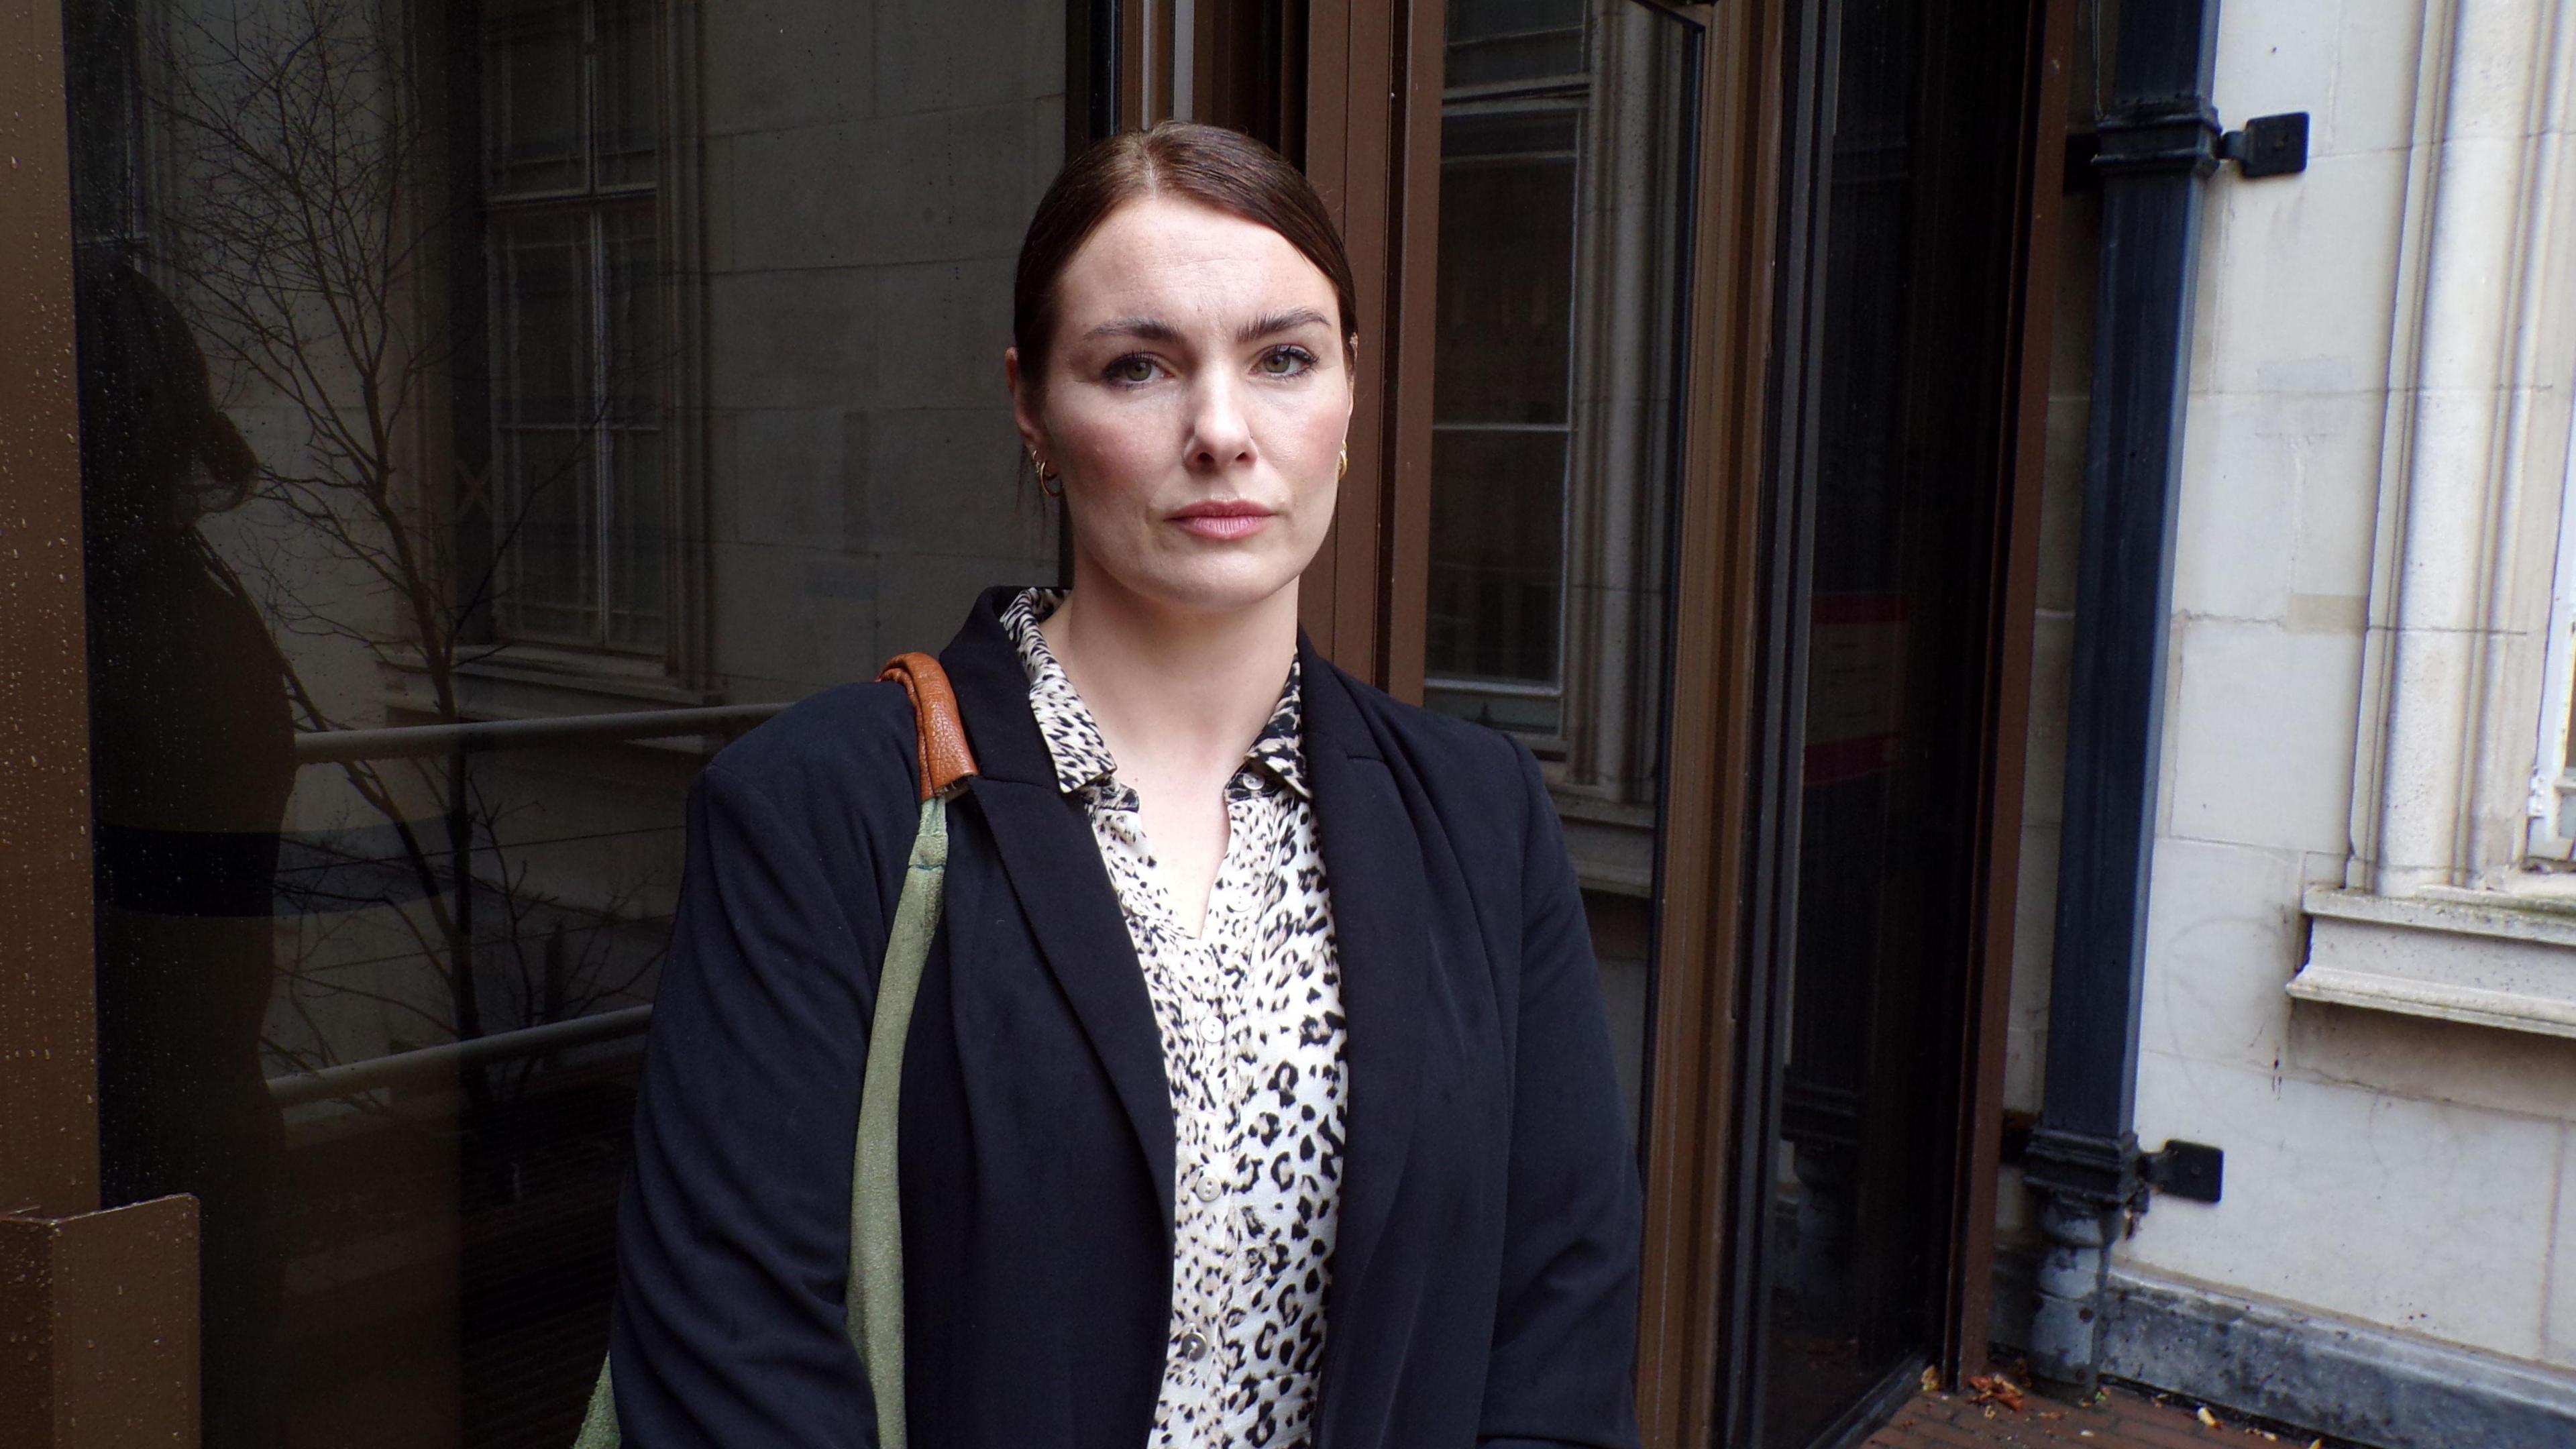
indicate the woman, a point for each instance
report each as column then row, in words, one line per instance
column 1294, row 1126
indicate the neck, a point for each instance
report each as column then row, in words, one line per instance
column 1179, row 688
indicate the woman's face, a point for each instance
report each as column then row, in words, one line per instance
column 1195, row 402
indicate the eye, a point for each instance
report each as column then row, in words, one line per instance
column 1286, row 361
column 1132, row 369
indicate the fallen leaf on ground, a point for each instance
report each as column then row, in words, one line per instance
column 1995, row 1389
column 1931, row 1380
column 2207, row 1419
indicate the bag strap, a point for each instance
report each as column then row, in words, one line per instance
column 872, row 1303
column 945, row 759
column 874, row 1298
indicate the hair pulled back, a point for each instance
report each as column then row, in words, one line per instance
column 1219, row 169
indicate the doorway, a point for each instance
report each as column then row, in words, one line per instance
column 1898, row 367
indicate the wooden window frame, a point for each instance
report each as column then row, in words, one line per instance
column 1371, row 142
column 1370, row 139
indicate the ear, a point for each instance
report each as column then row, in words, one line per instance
column 1024, row 406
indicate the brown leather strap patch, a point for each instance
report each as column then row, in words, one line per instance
column 945, row 760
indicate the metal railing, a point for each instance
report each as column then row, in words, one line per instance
column 321, row 747
column 436, row 1065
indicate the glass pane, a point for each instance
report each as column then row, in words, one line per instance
column 1494, row 42
column 636, row 554
column 1897, row 631
column 628, row 94
column 541, row 300
column 635, row 362
column 546, row 508
column 1563, row 232
column 600, row 403
column 533, row 61
column 1497, row 569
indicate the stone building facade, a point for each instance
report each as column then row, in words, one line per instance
column 2357, row 979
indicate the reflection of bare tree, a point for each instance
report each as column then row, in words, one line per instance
column 310, row 230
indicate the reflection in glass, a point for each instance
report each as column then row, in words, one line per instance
column 518, row 367
column 1902, row 498
column 1555, row 420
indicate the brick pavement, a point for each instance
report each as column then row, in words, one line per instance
column 2117, row 1418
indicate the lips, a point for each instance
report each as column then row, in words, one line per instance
column 1222, row 520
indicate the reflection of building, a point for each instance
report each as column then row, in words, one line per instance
column 622, row 369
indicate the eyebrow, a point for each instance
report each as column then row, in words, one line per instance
column 1155, row 329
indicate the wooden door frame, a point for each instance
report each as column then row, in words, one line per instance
column 1370, row 139
column 98, row 1310
column 1371, row 142
column 2021, row 421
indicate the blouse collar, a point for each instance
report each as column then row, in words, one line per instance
column 1072, row 735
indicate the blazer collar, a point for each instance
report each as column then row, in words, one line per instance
column 1064, row 890
column 1365, row 812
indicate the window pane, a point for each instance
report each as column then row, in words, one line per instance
column 1500, row 398
column 1497, row 568
column 546, row 525
column 631, row 315
column 1564, row 224
column 627, row 122
column 1506, row 293
column 637, row 556
column 714, row 421
column 1498, row 41
column 533, row 65
column 541, row 292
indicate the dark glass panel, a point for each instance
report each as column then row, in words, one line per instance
column 1497, row 572
column 1909, row 371
column 538, row 96
column 628, row 102
column 1494, row 42
column 508, row 383
column 1563, row 233
column 541, row 292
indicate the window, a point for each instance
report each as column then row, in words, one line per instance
column 2551, row 845
column 571, row 163
column 2463, row 793
column 1501, row 424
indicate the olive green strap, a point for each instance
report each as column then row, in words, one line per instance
column 872, row 1303
column 875, row 1293
column 599, row 1423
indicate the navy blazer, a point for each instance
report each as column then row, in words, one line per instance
column 1484, row 1286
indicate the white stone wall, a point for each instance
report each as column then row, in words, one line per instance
column 2411, row 1172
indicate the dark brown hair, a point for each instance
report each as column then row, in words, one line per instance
column 1220, row 169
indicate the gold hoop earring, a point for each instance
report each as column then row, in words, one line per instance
column 1345, row 469
column 1038, row 466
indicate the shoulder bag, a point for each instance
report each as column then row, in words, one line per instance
column 873, row 1302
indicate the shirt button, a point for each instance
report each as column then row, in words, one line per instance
column 1193, row 1347
column 1208, row 1188
column 1212, row 1028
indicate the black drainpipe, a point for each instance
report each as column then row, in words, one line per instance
column 2159, row 142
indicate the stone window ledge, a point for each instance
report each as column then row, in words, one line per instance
column 2480, row 957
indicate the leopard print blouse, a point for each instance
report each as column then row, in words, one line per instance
column 1250, row 1015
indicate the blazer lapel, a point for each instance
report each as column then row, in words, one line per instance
column 1054, row 868
column 1373, row 869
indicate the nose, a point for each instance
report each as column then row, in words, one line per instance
column 1220, row 432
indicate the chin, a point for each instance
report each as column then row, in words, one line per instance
column 1214, row 586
